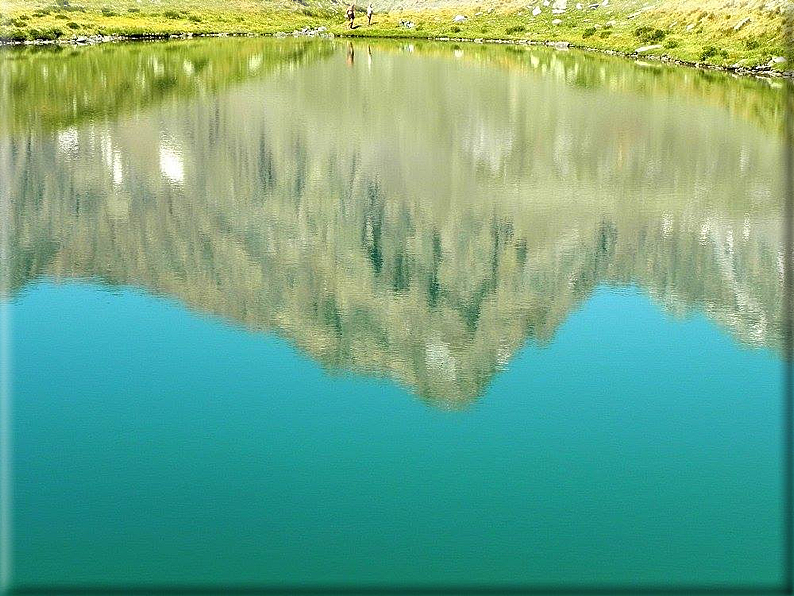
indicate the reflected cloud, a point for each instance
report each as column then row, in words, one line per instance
column 171, row 164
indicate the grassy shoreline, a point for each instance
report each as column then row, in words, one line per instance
column 743, row 36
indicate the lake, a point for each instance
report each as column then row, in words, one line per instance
column 290, row 312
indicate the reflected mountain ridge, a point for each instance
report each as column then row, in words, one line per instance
column 411, row 214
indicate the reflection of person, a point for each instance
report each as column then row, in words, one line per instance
column 370, row 11
column 351, row 13
column 350, row 54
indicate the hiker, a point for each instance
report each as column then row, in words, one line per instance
column 370, row 12
column 351, row 14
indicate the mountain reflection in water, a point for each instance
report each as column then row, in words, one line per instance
column 421, row 213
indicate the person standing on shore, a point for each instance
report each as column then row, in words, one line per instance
column 370, row 12
column 351, row 13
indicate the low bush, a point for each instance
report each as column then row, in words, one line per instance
column 711, row 52
column 15, row 35
column 649, row 34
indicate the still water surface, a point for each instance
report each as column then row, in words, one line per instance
column 307, row 312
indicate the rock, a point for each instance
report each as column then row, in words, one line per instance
column 536, row 11
column 459, row 18
column 561, row 45
column 546, row 3
column 476, row 14
column 690, row 26
column 777, row 60
column 594, row 6
column 741, row 23
column 579, row 6
column 609, row 24
column 643, row 49
column 407, row 24
column 605, row 3
column 557, row 11
column 560, row 5
column 556, row 22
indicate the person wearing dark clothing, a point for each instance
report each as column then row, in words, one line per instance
column 351, row 14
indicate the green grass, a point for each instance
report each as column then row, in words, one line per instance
column 694, row 31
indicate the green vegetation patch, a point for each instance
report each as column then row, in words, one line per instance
column 693, row 31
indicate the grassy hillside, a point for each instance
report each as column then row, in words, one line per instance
column 739, row 34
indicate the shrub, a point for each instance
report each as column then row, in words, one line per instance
column 515, row 29
column 62, row 17
column 711, row 51
column 606, row 33
column 108, row 12
column 589, row 32
column 18, row 35
column 194, row 18
column 133, row 9
column 72, row 25
column 649, row 34
column 751, row 44
column 671, row 43
column 172, row 14
column 455, row 29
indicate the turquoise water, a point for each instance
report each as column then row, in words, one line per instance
column 156, row 445
column 288, row 313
